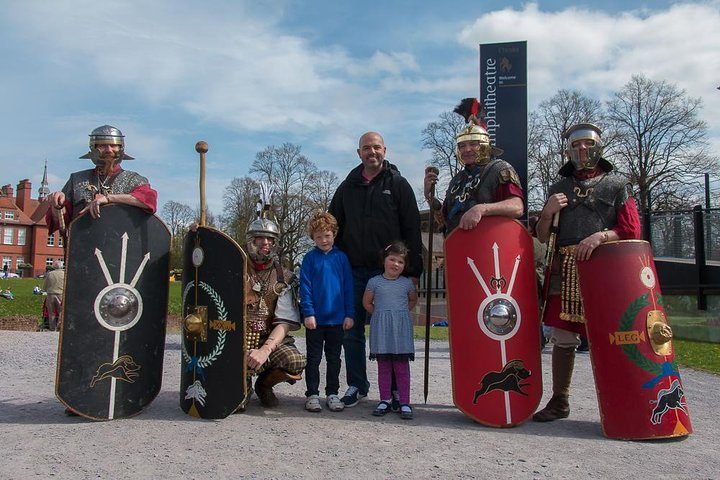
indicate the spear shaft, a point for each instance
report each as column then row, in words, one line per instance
column 202, row 148
column 428, row 283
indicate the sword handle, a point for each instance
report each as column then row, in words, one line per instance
column 202, row 147
column 61, row 220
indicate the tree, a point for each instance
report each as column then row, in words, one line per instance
column 322, row 189
column 661, row 140
column 291, row 175
column 178, row 217
column 239, row 206
column 439, row 138
column 545, row 142
column 299, row 188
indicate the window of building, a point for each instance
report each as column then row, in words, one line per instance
column 48, row 263
column 8, row 234
column 9, row 215
column 60, row 241
column 21, row 236
column 51, row 240
column 19, row 261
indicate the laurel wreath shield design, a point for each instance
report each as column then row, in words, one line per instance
column 207, row 360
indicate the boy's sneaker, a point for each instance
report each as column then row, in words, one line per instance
column 334, row 404
column 352, row 397
column 312, row 404
column 395, row 403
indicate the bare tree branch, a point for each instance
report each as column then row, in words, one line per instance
column 661, row 142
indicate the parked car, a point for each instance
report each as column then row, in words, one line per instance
column 10, row 275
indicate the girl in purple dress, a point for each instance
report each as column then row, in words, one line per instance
column 389, row 298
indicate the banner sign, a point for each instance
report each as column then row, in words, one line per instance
column 503, row 94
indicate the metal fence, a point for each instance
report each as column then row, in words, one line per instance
column 437, row 287
column 679, row 233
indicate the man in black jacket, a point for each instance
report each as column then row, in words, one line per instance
column 374, row 206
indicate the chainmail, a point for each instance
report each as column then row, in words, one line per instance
column 82, row 186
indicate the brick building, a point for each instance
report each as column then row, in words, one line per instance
column 25, row 246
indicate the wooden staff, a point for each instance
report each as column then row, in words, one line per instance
column 549, row 257
column 202, row 147
column 428, row 281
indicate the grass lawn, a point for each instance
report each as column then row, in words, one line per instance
column 25, row 303
column 693, row 354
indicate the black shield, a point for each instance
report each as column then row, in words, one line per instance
column 112, row 339
column 213, row 347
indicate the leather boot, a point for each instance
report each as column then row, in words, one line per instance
column 563, row 362
column 269, row 378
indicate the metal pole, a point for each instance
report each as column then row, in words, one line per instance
column 707, row 190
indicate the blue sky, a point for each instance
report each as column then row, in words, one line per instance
column 244, row 75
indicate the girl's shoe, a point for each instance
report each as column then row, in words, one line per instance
column 334, row 404
column 406, row 412
column 312, row 404
column 395, row 404
column 381, row 409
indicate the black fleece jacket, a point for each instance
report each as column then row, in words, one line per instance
column 372, row 215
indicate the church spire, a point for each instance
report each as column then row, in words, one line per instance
column 44, row 191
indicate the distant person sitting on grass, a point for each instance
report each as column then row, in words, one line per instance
column 7, row 293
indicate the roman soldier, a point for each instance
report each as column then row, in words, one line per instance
column 592, row 207
column 485, row 186
column 107, row 182
column 272, row 312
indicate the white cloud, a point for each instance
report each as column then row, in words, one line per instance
column 597, row 52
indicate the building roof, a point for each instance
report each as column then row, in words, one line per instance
column 34, row 212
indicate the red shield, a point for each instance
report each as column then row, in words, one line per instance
column 494, row 329
column 639, row 389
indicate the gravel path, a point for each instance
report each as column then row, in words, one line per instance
column 38, row 441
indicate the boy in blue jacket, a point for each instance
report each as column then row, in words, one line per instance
column 326, row 300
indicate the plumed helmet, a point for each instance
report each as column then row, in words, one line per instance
column 263, row 225
column 106, row 135
column 475, row 131
column 583, row 131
